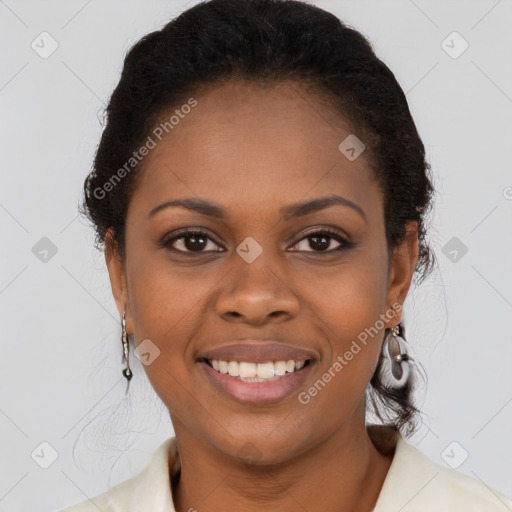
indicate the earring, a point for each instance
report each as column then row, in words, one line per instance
column 127, row 372
column 396, row 357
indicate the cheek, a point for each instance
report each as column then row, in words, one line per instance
column 167, row 305
column 350, row 303
column 165, row 298
column 350, row 297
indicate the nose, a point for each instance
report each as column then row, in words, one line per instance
column 255, row 294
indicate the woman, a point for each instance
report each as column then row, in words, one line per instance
column 260, row 191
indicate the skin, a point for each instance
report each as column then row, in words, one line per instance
column 253, row 151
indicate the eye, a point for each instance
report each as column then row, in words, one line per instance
column 197, row 241
column 190, row 241
column 321, row 240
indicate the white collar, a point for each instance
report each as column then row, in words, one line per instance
column 413, row 483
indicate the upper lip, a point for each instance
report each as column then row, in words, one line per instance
column 257, row 352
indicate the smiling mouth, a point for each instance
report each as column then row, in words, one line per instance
column 246, row 371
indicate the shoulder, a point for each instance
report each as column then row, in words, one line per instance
column 149, row 490
column 415, row 483
column 110, row 501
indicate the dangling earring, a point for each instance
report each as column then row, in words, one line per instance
column 396, row 357
column 127, row 372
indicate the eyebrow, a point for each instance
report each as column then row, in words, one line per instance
column 291, row 211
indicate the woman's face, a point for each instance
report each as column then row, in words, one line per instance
column 254, row 276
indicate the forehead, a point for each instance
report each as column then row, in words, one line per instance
column 243, row 143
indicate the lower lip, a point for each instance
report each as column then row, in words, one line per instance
column 257, row 393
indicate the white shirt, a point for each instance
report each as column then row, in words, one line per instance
column 413, row 483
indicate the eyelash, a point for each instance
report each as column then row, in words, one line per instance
column 189, row 233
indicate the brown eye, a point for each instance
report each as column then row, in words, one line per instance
column 321, row 241
column 191, row 241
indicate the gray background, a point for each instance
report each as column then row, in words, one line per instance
column 60, row 377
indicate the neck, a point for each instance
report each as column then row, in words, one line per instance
column 342, row 472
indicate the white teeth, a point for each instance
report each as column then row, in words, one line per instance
column 257, row 372
column 223, row 366
column 280, row 367
column 233, row 369
column 247, row 369
column 257, row 379
column 265, row 370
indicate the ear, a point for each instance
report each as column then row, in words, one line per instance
column 404, row 261
column 117, row 277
